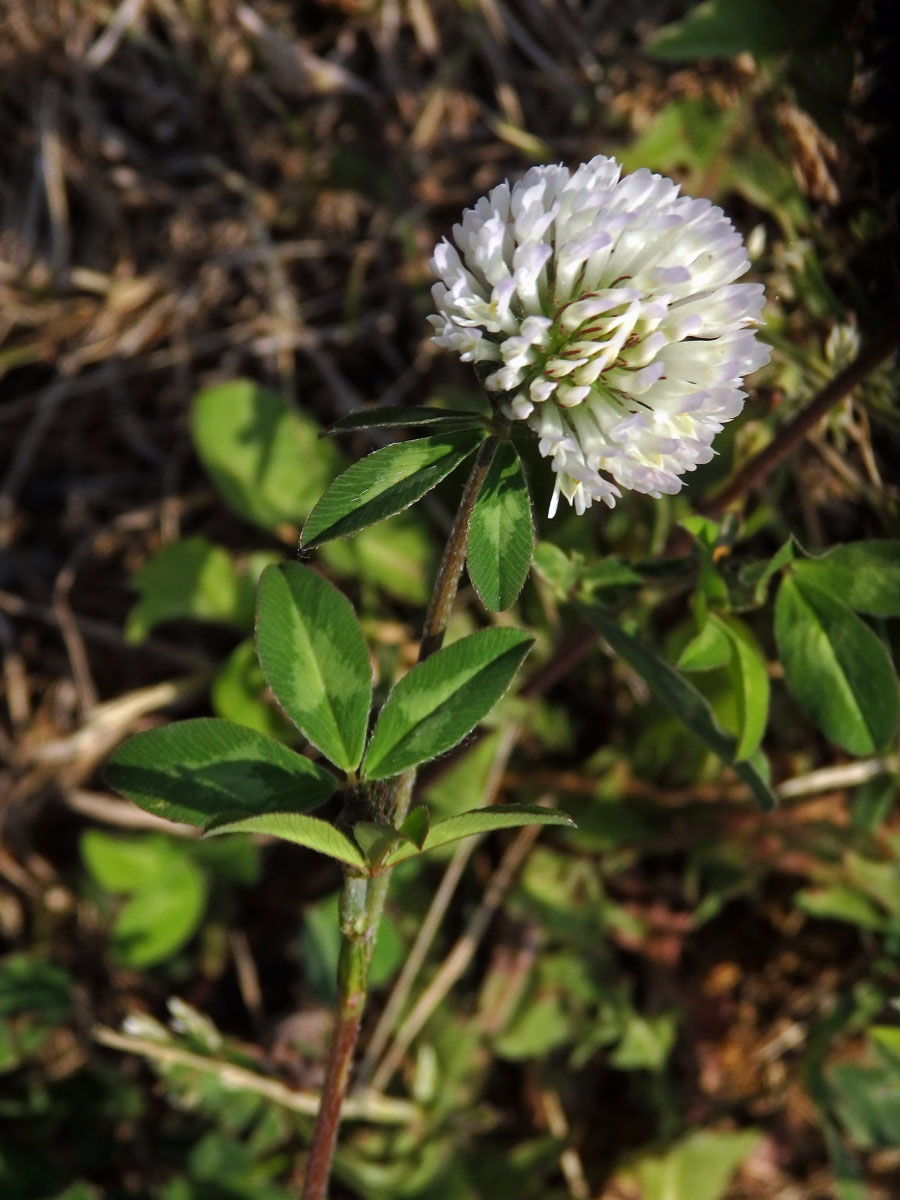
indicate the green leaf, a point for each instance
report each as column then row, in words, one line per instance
column 386, row 482
column 849, row 1182
column 861, row 575
column 263, row 455
column 80, row 1190
column 397, row 555
column 699, row 1167
column 702, row 529
column 540, row 1027
column 766, row 180
column 237, row 695
column 161, row 916
column 749, row 682
column 234, row 860
column 194, row 579
column 35, row 986
column 696, row 138
column 564, row 572
column 866, row 1101
column 436, row 703
column 839, row 671
column 711, row 587
column 691, row 133
column 684, row 702
column 450, row 791
column 726, row 28
column 303, row 830
column 709, row 650
column 201, row 770
column 168, row 888
column 501, row 538
column 872, row 804
column 880, row 880
column 416, row 825
column 375, row 840
column 887, row 1039
column 756, row 577
column 398, row 417
column 125, row 864
column 841, row 903
column 478, row 821
column 646, row 1042
column 315, row 660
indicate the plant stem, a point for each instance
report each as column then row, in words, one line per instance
column 443, row 595
column 446, row 584
column 436, row 912
column 362, row 900
column 353, row 968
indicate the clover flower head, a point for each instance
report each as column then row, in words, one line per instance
column 604, row 312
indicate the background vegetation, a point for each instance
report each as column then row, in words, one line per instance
column 215, row 221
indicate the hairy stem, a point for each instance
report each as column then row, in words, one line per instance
column 446, row 584
column 440, row 607
column 362, row 900
column 353, row 967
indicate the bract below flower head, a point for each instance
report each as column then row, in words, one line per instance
column 605, row 313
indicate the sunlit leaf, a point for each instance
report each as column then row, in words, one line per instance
column 565, row 572
column 501, row 538
column 837, row 668
column 315, row 659
column 861, row 575
column 708, row 650
column 386, row 482
column 125, row 864
column 685, row 702
column 397, row 555
column 699, row 1167
column 749, row 682
column 263, row 455
column 303, row 830
column 190, row 579
column 161, row 916
column 237, row 695
column 478, row 821
column 436, row 703
column 646, row 1042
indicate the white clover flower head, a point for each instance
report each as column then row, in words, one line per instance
column 604, row 313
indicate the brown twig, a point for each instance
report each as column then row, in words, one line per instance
column 447, row 582
column 367, row 1105
column 789, row 438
